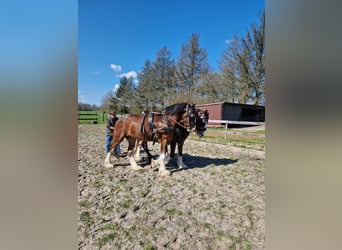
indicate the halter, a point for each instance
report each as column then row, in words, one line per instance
column 189, row 114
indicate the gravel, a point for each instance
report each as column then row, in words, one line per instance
column 216, row 203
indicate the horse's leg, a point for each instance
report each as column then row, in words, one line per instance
column 137, row 150
column 162, row 168
column 131, row 145
column 117, row 138
column 107, row 163
column 180, row 162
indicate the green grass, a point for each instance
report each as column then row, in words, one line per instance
column 106, row 238
column 148, row 247
column 235, row 130
column 101, row 119
column 173, row 211
column 236, row 140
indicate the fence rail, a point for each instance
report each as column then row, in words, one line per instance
column 226, row 122
column 92, row 117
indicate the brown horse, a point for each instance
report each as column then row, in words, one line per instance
column 201, row 120
column 201, row 126
column 153, row 127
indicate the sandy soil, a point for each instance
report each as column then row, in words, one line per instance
column 216, row 203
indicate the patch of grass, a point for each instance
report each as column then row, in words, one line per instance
column 173, row 211
column 239, row 243
column 149, row 247
column 219, row 234
column 98, row 184
column 125, row 203
column 250, row 214
column 85, row 204
column 236, row 140
column 207, row 225
column 109, row 227
column 105, row 239
column 86, row 218
column 144, row 193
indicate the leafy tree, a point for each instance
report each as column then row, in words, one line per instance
column 146, row 90
column 229, row 71
column 164, row 71
column 192, row 66
column 243, row 65
column 87, row 107
column 109, row 102
column 124, row 94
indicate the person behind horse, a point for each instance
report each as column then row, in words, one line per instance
column 110, row 132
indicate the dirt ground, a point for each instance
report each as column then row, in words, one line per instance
column 216, row 203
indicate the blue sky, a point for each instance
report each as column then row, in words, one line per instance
column 115, row 37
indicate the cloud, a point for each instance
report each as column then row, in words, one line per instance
column 116, row 88
column 81, row 97
column 96, row 72
column 116, row 68
column 129, row 74
column 228, row 41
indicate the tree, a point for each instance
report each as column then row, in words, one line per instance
column 87, row 107
column 192, row 66
column 243, row 65
column 125, row 95
column 109, row 102
column 229, row 71
column 146, row 90
column 164, row 72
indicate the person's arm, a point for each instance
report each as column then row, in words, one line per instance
column 108, row 125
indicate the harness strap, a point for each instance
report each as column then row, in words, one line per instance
column 143, row 130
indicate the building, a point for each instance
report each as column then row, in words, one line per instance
column 234, row 112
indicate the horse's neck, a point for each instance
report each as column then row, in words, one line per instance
column 175, row 117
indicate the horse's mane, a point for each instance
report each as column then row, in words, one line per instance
column 175, row 108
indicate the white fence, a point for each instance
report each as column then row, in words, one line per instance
column 235, row 122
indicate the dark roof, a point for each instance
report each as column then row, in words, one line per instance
column 230, row 103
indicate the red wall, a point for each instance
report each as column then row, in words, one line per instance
column 215, row 111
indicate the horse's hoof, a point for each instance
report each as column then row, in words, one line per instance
column 182, row 166
column 165, row 173
column 154, row 163
column 108, row 165
column 137, row 158
column 136, row 168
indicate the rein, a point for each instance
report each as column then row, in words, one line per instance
column 178, row 122
column 172, row 119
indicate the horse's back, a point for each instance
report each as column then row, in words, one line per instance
column 132, row 125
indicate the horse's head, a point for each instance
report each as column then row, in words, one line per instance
column 190, row 117
column 202, row 119
column 196, row 120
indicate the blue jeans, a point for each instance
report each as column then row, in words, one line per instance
column 108, row 141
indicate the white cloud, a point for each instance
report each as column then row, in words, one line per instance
column 96, row 72
column 129, row 74
column 81, row 97
column 116, row 68
column 228, row 41
column 116, row 87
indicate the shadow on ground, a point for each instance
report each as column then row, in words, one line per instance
column 198, row 162
column 190, row 160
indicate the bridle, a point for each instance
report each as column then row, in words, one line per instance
column 189, row 113
column 204, row 119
